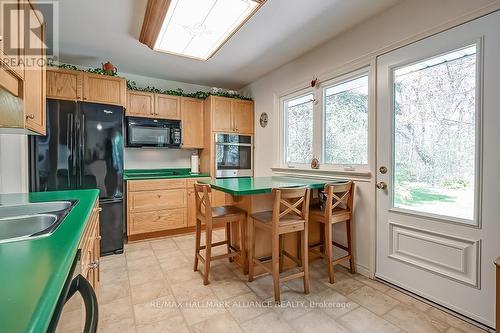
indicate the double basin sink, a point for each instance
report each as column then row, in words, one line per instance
column 31, row 220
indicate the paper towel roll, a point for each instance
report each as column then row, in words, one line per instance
column 195, row 164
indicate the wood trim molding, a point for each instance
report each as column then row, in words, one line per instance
column 156, row 11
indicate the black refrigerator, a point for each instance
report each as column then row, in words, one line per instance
column 83, row 149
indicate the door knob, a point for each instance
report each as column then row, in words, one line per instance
column 382, row 186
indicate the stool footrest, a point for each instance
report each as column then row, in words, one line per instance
column 292, row 276
column 340, row 260
column 293, row 258
column 343, row 247
column 203, row 247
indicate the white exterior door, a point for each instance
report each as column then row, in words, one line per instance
column 438, row 136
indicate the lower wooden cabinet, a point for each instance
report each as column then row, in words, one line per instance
column 90, row 250
column 160, row 205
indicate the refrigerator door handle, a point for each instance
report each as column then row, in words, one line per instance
column 82, row 147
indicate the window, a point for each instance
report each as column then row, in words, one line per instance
column 345, row 108
column 435, row 135
column 298, row 129
column 330, row 122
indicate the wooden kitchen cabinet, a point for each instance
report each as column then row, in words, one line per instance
column 222, row 115
column 232, row 116
column 140, row 104
column 90, row 250
column 14, row 38
column 104, row 89
column 243, row 118
column 35, row 80
column 192, row 122
column 167, row 107
column 64, row 84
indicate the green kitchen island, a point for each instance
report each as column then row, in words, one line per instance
column 253, row 194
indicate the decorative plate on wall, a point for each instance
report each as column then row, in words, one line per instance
column 263, row 119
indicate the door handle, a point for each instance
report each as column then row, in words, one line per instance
column 382, row 186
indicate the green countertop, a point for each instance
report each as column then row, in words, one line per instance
column 260, row 185
column 33, row 272
column 137, row 174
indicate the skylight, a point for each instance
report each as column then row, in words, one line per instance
column 198, row 29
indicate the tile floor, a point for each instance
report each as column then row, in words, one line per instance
column 140, row 291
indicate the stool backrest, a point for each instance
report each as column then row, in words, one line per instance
column 202, row 200
column 339, row 195
column 293, row 201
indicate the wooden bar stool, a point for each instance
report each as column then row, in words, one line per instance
column 210, row 216
column 338, row 208
column 289, row 214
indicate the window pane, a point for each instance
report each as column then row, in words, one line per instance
column 346, row 123
column 434, row 110
column 299, row 129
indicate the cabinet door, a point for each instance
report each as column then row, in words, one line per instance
column 167, row 107
column 104, row 89
column 157, row 220
column 34, row 81
column 222, row 116
column 154, row 200
column 140, row 104
column 14, row 56
column 192, row 123
column 243, row 119
column 64, row 84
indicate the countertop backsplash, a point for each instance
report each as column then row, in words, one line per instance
column 152, row 158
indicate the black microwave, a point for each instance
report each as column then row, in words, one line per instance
column 148, row 132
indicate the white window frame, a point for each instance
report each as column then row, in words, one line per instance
column 345, row 74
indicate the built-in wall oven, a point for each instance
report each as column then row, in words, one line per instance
column 233, row 155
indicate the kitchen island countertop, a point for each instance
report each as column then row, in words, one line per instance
column 140, row 174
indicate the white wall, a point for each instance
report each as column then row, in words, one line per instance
column 13, row 163
column 404, row 20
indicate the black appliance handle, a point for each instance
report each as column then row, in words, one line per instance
column 85, row 289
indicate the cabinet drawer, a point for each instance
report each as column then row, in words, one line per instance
column 191, row 181
column 157, row 200
column 155, row 184
column 157, row 221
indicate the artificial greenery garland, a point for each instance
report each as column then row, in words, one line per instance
column 131, row 85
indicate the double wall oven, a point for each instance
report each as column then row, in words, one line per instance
column 233, row 155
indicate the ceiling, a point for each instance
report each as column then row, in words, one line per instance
column 95, row 31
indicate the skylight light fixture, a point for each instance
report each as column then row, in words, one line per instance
column 198, row 28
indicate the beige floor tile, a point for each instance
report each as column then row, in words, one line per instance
column 170, row 260
column 332, row 302
column 185, row 242
column 113, row 291
column 125, row 325
column 372, row 283
column 292, row 305
column 116, row 311
column 156, row 310
column 70, row 321
column 246, row 307
column 141, row 276
column 414, row 321
column 228, row 288
column 222, row 323
column 317, row 321
column 373, row 300
column 174, row 324
column 407, row 300
column 192, row 290
column 202, row 309
column 137, row 246
column 361, row 320
column 149, row 291
column 142, row 263
column 269, row 322
column 453, row 321
column 262, row 286
column 114, row 276
column 297, row 285
column 140, row 254
column 163, row 244
column 346, row 286
column 457, row 330
column 113, row 262
column 182, row 274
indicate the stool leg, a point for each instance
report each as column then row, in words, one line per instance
column 322, row 240
column 228, row 239
column 282, row 246
column 305, row 258
column 208, row 252
column 197, row 244
column 251, row 248
column 329, row 250
column 243, row 241
column 350, row 246
column 276, row 267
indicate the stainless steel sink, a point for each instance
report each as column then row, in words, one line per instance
column 34, row 208
column 22, row 227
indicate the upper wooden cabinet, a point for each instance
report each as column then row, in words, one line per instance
column 82, row 86
column 104, row 89
column 64, row 84
column 192, row 122
column 167, row 107
column 231, row 115
column 140, row 104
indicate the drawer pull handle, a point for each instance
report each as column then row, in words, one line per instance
column 30, row 116
column 99, row 209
